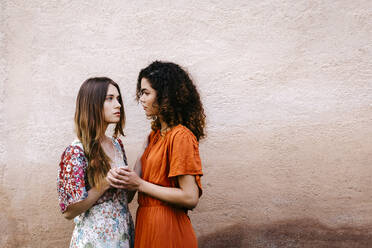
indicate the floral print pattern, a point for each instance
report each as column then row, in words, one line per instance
column 108, row 223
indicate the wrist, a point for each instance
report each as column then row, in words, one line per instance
column 107, row 186
column 141, row 185
column 104, row 186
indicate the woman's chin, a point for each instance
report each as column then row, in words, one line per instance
column 114, row 121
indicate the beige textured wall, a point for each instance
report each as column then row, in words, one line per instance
column 287, row 87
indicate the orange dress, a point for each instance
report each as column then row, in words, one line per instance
column 159, row 224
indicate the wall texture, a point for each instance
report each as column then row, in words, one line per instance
column 287, row 87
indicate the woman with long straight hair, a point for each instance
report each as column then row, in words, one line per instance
column 170, row 184
column 100, row 212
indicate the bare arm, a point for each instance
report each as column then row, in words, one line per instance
column 187, row 195
column 94, row 194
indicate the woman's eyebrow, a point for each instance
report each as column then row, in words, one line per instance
column 112, row 95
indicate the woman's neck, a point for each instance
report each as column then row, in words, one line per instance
column 163, row 126
column 104, row 139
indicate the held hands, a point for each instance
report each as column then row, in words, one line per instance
column 124, row 178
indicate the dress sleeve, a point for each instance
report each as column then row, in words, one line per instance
column 71, row 184
column 184, row 158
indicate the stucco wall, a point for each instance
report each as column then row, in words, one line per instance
column 287, row 87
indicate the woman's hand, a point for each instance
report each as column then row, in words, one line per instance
column 124, row 178
column 105, row 184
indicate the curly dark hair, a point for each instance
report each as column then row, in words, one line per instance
column 177, row 97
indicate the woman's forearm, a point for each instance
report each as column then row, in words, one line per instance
column 75, row 209
column 186, row 196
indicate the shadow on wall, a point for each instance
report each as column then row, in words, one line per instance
column 289, row 234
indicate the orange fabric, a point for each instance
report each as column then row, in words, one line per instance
column 159, row 224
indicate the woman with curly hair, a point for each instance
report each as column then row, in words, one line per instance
column 171, row 168
column 100, row 212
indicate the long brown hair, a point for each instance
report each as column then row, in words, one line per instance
column 90, row 125
column 177, row 97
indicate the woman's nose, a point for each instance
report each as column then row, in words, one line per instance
column 117, row 105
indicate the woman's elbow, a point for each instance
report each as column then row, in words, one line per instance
column 191, row 202
column 68, row 215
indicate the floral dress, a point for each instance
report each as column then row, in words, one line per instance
column 108, row 223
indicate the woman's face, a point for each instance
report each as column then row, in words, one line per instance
column 148, row 98
column 111, row 106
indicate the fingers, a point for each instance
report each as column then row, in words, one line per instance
column 117, row 175
column 124, row 171
column 122, row 178
column 117, row 186
column 116, row 180
column 113, row 182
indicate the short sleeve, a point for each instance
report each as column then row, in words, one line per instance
column 184, row 156
column 71, row 184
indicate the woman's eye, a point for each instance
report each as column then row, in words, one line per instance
column 144, row 93
column 109, row 98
